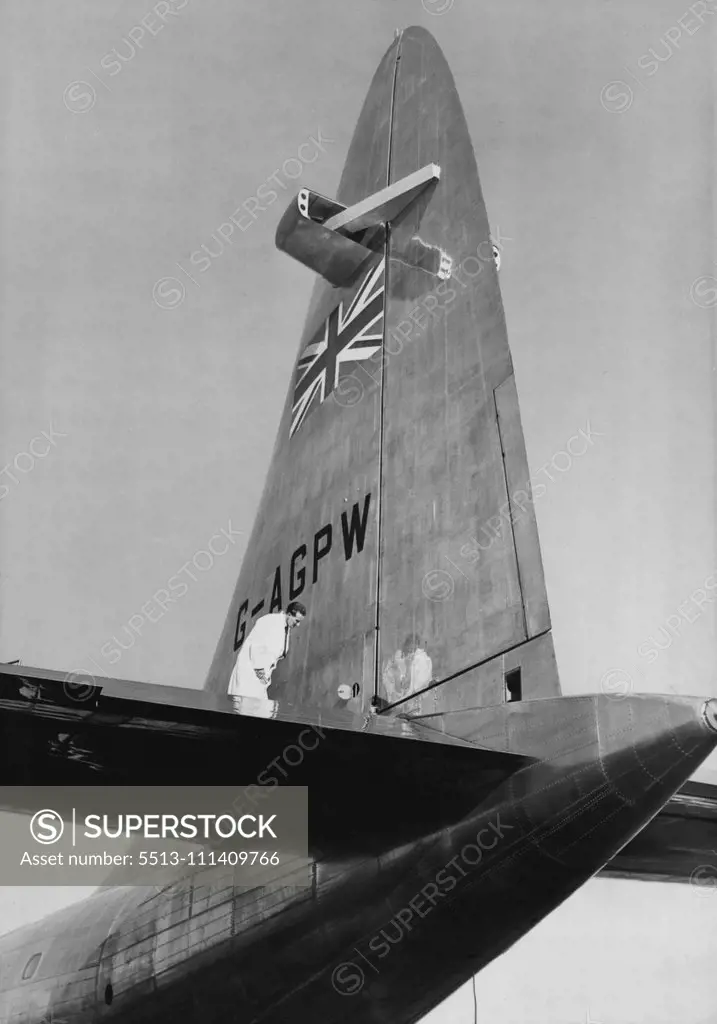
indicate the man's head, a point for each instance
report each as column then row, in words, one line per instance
column 295, row 612
column 411, row 644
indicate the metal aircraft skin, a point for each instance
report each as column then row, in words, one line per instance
column 456, row 797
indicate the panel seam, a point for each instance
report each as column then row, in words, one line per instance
column 382, row 392
column 510, row 518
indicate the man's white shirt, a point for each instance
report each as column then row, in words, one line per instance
column 262, row 649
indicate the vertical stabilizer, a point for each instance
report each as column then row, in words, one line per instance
column 397, row 505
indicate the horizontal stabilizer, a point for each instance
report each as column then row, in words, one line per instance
column 132, row 732
column 314, row 230
column 317, row 207
column 385, row 205
column 337, row 259
column 679, row 845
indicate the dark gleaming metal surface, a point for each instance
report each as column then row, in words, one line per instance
column 429, row 860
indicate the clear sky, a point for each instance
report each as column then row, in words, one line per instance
column 129, row 142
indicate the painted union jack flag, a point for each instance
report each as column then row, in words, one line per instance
column 347, row 336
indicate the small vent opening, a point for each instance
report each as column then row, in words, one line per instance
column 513, row 685
column 31, row 966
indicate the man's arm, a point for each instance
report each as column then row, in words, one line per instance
column 266, row 647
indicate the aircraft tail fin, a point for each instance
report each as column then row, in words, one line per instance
column 398, row 504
